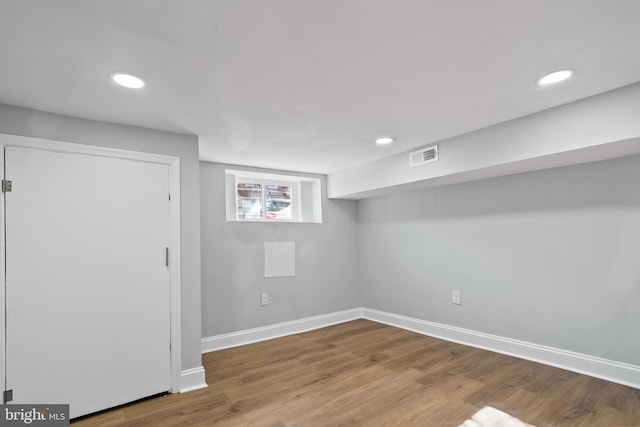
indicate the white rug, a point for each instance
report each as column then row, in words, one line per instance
column 491, row 417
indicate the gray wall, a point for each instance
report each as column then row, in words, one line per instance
column 25, row 122
column 233, row 262
column 549, row 257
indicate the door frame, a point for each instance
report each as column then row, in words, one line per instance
column 173, row 163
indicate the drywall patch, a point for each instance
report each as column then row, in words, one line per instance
column 279, row 259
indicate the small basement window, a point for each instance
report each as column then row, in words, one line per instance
column 255, row 196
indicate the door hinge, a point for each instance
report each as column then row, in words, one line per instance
column 166, row 256
column 6, row 186
column 7, row 396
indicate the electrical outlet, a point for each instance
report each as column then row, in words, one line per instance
column 455, row 297
column 264, row 299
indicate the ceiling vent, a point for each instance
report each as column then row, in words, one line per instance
column 423, row 156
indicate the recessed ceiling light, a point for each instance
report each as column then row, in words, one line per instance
column 127, row 80
column 385, row 140
column 555, row 77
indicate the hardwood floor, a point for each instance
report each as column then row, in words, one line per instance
column 363, row 373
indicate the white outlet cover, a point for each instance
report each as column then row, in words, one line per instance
column 455, row 297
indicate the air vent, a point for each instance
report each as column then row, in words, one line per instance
column 423, row 156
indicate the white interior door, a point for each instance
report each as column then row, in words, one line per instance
column 87, row 287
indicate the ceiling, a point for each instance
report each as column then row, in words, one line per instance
column 308, row 85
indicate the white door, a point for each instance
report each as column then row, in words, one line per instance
column 87, row 287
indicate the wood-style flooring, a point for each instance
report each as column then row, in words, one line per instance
column 363, row 373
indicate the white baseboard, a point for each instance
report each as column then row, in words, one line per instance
column 617, row 372
column 192, row 379
column 235, row 339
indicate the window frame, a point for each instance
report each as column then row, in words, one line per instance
column 305, row 196
column 294, row 199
